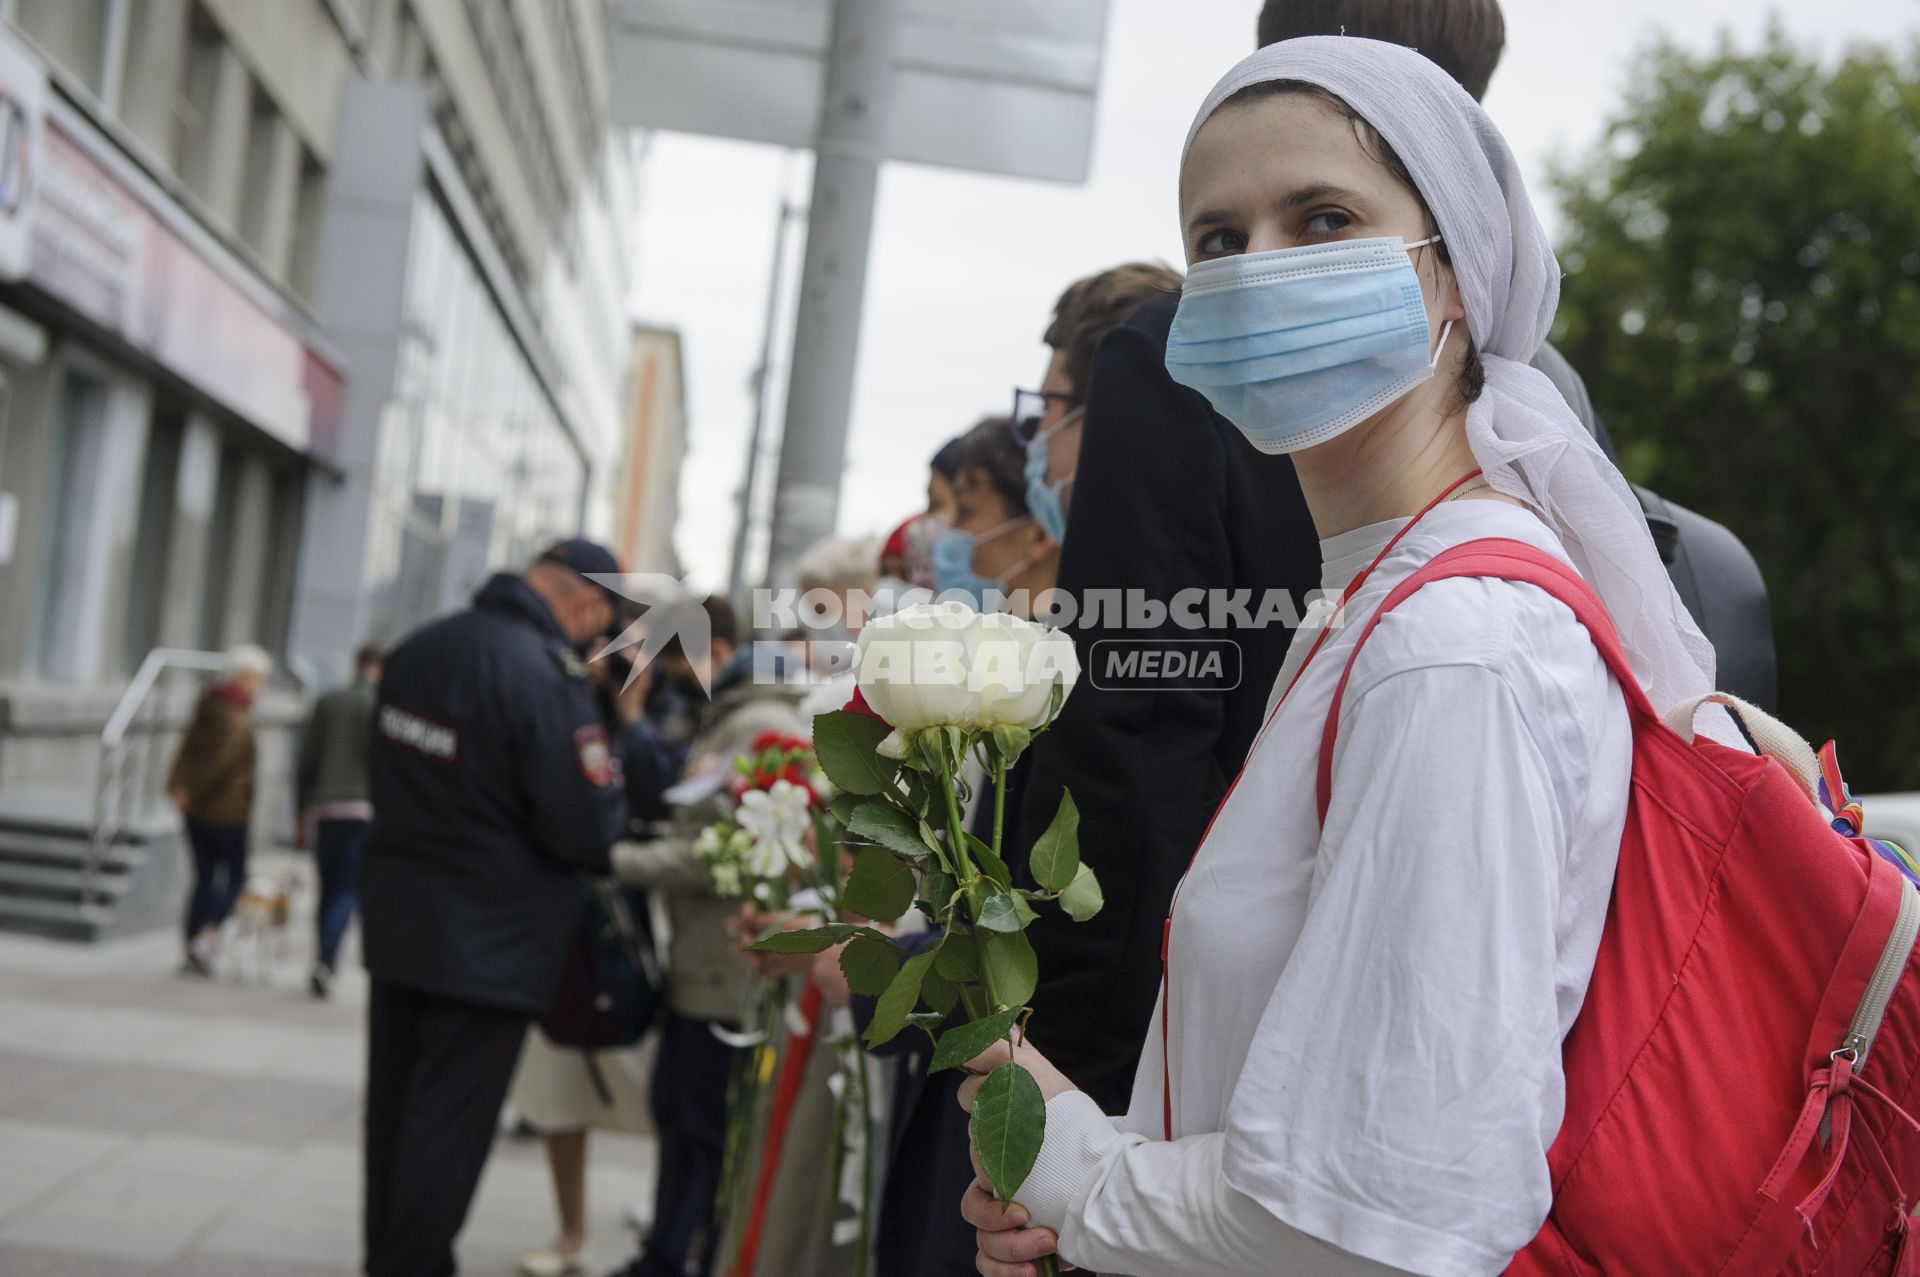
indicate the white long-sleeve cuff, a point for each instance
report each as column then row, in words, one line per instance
column 1080, row 1140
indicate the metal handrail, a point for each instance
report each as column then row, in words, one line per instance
column 111, row 788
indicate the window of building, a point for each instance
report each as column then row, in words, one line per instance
column 214, row 582
column 383, row 35
column 310, row 209
column 410, row 60
column 257, row 191
column 474, row 468
column 153, row 535
column 74, row 33
column 80, row 431
column 194, row 106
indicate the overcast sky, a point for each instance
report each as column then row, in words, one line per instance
column 965, row 268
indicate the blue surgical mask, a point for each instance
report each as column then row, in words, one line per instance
column 953, row 563
column 1046, row 502
column 1299, row 345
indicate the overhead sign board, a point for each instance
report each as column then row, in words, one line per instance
column 997, row 86
column 23, row 105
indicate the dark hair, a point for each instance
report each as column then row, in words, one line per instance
column 368, row 654
column 722, row 619
column 1473, row 373
column 946, row 462
column 1095, row 306
column 1463, row 37
column 989, row 450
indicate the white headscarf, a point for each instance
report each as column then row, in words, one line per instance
column 1521, row 430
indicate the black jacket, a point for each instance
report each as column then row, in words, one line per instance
column 493, row 790
column 1170, row 496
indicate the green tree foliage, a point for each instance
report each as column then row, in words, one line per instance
column 1743, row 298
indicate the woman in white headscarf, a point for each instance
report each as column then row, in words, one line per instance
column 1355, row 1065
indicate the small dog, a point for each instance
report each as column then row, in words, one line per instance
column 258, row 930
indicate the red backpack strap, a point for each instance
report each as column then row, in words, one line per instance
column 1509, row 560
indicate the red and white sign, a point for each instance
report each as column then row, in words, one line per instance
column 23, row 105
column 171, row 291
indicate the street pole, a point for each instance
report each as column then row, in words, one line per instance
column 846, row 176
column 737, row 584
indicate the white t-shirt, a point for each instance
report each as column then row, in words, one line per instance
column 1365, row 1023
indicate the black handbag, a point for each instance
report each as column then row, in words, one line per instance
column 609, row 990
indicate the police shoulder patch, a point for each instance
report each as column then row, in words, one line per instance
column 416, row 731
column 570, row 663
column 596, row 757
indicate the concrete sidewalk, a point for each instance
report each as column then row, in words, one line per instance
column 152, row 1124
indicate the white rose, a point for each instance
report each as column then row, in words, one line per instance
column 777, row 820
column 944, row 664
column 1015, row 666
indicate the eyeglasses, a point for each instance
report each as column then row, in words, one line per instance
column 1029, row 407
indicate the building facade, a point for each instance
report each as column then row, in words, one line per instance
column 646, row 474
column 312, row 313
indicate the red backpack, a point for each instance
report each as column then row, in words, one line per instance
column 1739, row 1078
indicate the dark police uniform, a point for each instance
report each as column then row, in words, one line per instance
column 493, row 790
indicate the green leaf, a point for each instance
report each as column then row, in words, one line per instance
column 1056, row 854
column 846, row 744
column 898, row 1000
column 990, row 864
column 918, row 796
column 965, row 1041
column 936, row 890
column 870, row 965
column 892, row 829
column 958, row 961
column 1023, row 911
column 997, row 913
column 813, row 939
column 1009, row 1122
column 880, row 886
column 937, row 991
column 926, row 1021
column 844, row 805
column 1008, row 966
column 1082, row 898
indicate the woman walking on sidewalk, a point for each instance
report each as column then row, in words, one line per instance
column 211, row 784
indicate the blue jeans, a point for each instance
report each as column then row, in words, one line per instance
column 336, row 854
column 219, row 872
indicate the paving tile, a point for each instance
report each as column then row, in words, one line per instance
column 307, row 1211
column 147, row 1203
column 212, row 1264
column 128, row 1099
column 267, row 1111
column 37, row 1160
column 249, row 1098
column 44, row 1261
column 23, row 1076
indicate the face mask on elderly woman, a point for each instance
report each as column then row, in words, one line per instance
column 1298, row 345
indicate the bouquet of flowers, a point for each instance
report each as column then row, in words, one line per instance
column 937, row 684
column 779, row 795
column 780, row 849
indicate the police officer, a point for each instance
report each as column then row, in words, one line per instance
column 493, row 789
